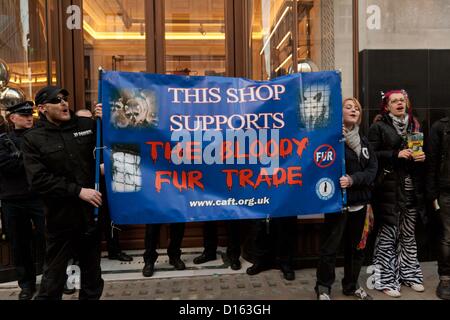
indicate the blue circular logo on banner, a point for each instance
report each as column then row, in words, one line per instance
column 325, row 188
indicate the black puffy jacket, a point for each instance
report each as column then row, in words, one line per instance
column 389, row 193
column 59, row 161
column 363, row 171
column 438, row 159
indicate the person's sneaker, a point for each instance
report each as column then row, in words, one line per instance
column 443, row 290
column 177, row 263
column 392, row 293
column 323, row 296
column 26, row 294
column 417, row 287
column 121, row 256
column 203, row 258
column 148, row 270
column 361, row 294
column 322, row 292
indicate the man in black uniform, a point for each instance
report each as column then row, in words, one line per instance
column 60, row 165
column 111, row 233
column 22, row 208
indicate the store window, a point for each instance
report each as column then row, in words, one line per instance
column 114, row 38
column 301, row 36
column 271, row 38
column 23, row 49
column 195, row 37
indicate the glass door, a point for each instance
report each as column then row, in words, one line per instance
column 271, row 38
column 114, row 38
column 191, row 40
column 289, row 36
column 194, row 37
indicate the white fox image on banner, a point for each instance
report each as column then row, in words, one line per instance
column 314, row 109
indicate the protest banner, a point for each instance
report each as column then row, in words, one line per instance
column 183, row 149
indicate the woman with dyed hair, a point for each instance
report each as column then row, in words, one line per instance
column 398, row 195
column 348, row 225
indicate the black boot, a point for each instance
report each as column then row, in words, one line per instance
column 26, row 293
column 443, row 289
column 121, row 256
column 235, row 264
column 204, row 257
column 257, row 268
column 148, row 270
column 288, row 272
column 177, row 263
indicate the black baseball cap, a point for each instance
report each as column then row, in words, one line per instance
column 49, row 93
column 25, row 108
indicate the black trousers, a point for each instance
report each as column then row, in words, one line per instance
column 348, row 226
column 444, row 239
column 275, row 241
column 61, row 247
column 152, row 239
column 111, row 234
column 210, row 238
column 20, row 215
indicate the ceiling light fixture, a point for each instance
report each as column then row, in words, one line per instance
column 98, row 35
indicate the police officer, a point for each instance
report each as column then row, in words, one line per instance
column 22, row 208
column 59, row 160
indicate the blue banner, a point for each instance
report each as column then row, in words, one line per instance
column 184, row 149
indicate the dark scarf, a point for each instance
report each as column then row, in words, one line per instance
column 400, row 124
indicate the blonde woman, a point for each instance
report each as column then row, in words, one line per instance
column 348, row 225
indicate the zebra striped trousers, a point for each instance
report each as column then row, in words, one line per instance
column 395, row 255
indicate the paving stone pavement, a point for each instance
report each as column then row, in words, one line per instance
column 268, row 285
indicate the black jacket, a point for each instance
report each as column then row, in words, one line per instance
column 438, row 159
column 389, row 197
column 13, row 179
column 59, row 161
column 363, row 171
